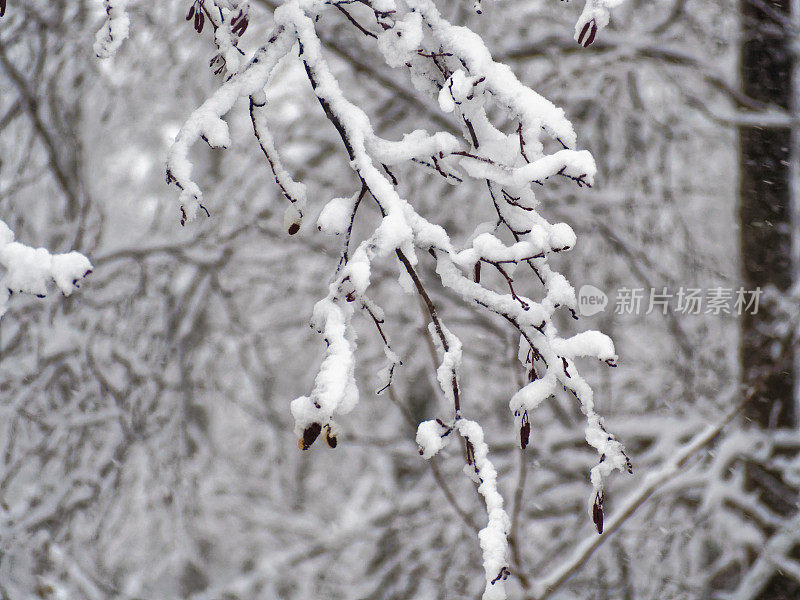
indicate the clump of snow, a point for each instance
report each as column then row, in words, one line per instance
column 587, row 343
column 399, row 44
column 216, row 133
column 115, row 29
column 561, row 237
column 533, row 394
column 29, row 270
column 431, row 438
column 335, row 216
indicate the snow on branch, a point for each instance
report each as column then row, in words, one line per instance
column 30, row 270
column 453, row 67
column 114, row 31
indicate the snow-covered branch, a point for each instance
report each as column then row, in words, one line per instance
column 452, row 65
column 114, row 31
column 30, row 270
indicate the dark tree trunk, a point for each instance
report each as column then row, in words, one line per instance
column 765, row 217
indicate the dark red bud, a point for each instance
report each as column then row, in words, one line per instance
column 2, row 7
column 597, row 512
column 588, row 34
column 478, row 272
column 191, row 13
column 524, row 434
column 294, row 228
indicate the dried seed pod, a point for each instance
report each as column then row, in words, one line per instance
column 2, row 7
column 310, row 435
column 188, row 17
column 330, row 439
column 588, row 33
column 597, row 512
column 525, row 431
column 478, row 272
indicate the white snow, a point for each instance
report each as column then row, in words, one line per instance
column 114, row 31
column 29, row 270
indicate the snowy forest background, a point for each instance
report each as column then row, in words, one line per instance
column 147, row 447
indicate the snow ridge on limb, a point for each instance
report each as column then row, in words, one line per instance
column 115, row 29
column 454, row 68
column 30, row 270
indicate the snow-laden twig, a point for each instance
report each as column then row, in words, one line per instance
column 432, row 436
column 206, row 121
column 115, row 29
column 294, row 192
column 543, row 587
column 30, row 270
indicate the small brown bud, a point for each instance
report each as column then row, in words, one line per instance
column 310, row 435
column 330, row 439
column 525, row 431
